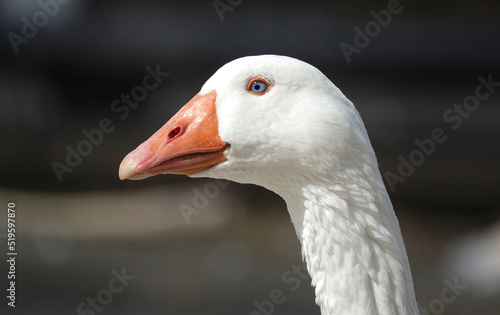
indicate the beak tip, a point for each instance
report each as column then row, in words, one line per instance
column 124, row 173
column 122, row 176
column 127, row 168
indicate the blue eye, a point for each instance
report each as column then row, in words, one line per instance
column 257, row 86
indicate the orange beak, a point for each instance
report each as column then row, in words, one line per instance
column 188, row 143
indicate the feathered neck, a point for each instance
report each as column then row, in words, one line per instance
column 352, row 243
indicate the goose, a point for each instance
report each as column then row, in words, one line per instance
column 280, row 123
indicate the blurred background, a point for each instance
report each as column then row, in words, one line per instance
column 64, row 63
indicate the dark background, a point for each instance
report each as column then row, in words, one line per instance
column 72, row 233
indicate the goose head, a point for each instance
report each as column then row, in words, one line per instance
column 263, row 120
column 280, row 123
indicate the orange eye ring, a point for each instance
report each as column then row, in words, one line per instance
column 258, row 86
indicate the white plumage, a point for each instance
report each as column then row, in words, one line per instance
column 304, row 140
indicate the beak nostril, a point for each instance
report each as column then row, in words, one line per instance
column 174, row 133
